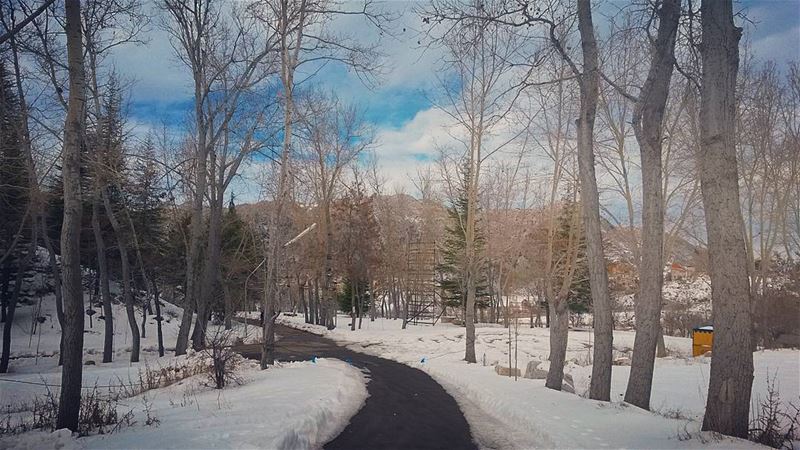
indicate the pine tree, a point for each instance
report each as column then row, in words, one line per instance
column 13, row 169
column 358, row 290
column 16, row 217
column 579, row 299
column 241, row 253
column 145, row 196
column 453, row 251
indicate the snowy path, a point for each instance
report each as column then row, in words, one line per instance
column 406, row 408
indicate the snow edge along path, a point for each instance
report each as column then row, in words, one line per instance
column 504, row 414
column 299, row 405
column 333, row 415
column 488, row 430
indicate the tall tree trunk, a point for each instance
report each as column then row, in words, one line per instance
column 329, row 290
column 648, row 118
column 469, row 238
column 313, row 290
column 159, row 332
column 558, row 343
column 127, row 289
column 731, row 377
column 301, row 292
column 228, row 307
column 12, row 302
column 211, row 270
column 196, row 226
column 359, row 299
column 353, row 309
column 72, row 371
column 600, row 387
column 105, row 291
column 55, row 272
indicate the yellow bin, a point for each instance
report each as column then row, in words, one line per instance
column 702, row 339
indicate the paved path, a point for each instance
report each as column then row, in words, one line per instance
column 406, row 408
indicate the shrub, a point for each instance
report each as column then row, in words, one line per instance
column 774, row 424
column 223, row 361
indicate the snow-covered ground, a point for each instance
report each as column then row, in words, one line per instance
column 291, row 406
column 298, row 405
column 525, row 414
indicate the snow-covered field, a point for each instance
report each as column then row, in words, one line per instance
column 292, row 406
column 298, row 405
column 525, row 414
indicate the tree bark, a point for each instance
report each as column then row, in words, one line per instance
column 558, row 343
column 600, row 387
column 648, row 119
column 159, row 331
column 127, row 290
column 731, row 377
column 105, row 291
column 72, row 370
column 211, row 269
column 55, row 271
column 196, row 225
column 12, row 302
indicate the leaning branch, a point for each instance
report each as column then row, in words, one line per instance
column 17, row 28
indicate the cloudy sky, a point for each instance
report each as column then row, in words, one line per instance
column 407, row 126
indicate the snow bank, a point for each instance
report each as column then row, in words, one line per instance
column 290, row 406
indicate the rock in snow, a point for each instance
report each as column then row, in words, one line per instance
column 534, row 372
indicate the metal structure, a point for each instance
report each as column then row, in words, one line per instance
column 422, row 294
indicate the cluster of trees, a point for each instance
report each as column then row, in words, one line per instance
column 130, row 209
column 552, row 131
column 528, row 75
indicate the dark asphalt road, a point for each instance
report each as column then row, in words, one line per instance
column 406, row 408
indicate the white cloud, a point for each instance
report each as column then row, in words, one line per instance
column 402, row 150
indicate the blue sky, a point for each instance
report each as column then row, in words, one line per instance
column 406, row 125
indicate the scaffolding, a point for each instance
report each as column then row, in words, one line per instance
column 423, row 307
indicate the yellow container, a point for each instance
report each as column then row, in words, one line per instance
column 702, row 340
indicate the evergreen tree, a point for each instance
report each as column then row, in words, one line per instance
column 579, row 299
column 13, row 167
column 241, row 253
column 361, row 294
column 16, row 217
column 145, row 196
column 453, row 251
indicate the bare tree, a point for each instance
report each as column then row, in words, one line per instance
column 303, row 37
column 588, row 80
column 478, row 100
column 223, row 54
column 334, row 135
column 72, row 370
column 648, row 118
column 551, row 16
column 731, row 378
column 10, row 32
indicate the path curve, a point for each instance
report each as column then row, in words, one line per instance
column 406, row 408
